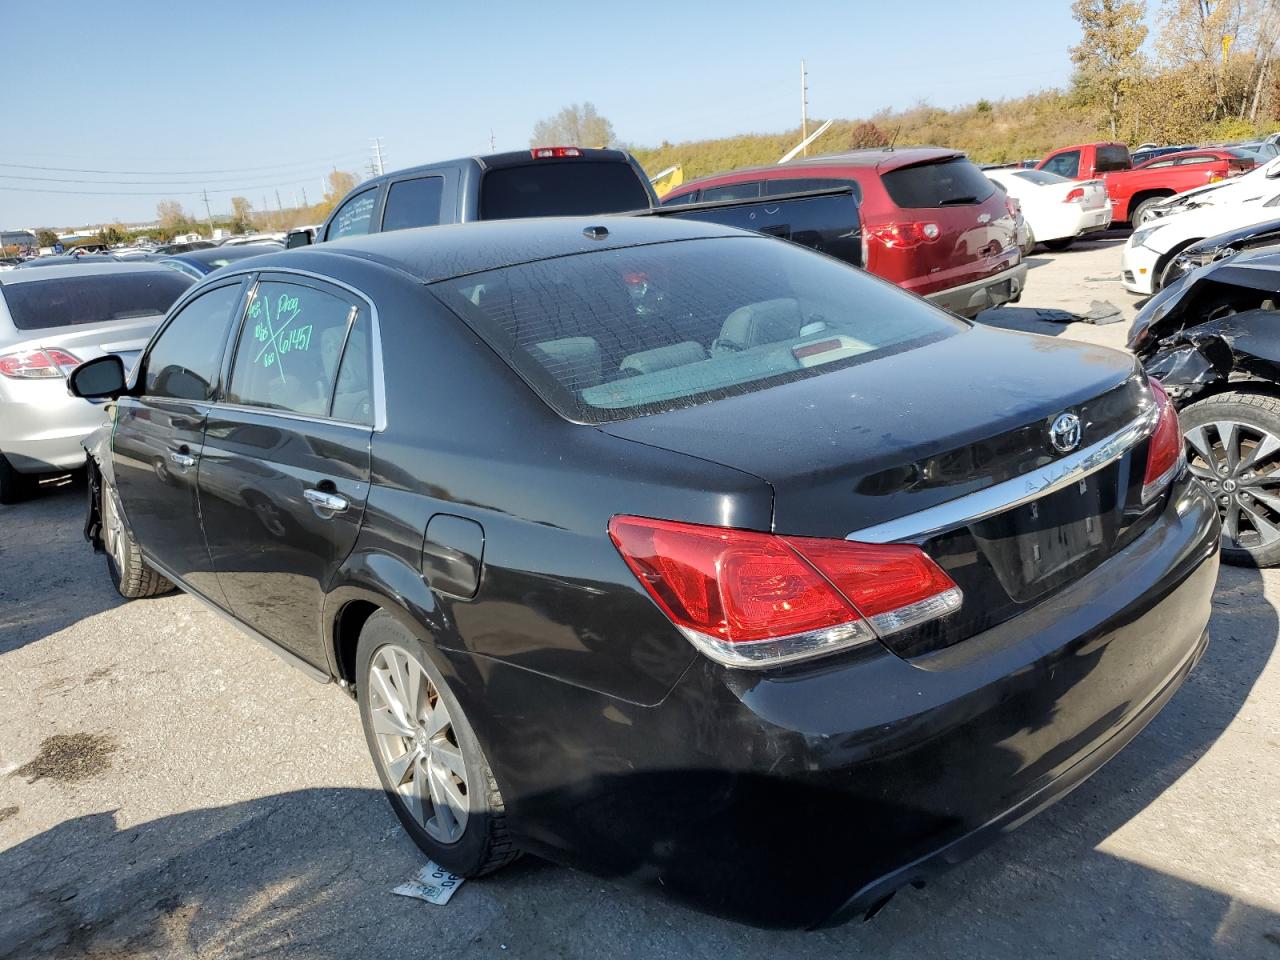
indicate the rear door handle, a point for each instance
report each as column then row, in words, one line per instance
column 183, row 460
column 330, row 503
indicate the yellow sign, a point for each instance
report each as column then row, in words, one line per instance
column 1226, row 45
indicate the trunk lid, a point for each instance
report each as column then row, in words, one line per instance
column 126, row 338
column 862, row 446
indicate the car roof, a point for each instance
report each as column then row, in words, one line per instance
column 237, row 251
column 491, row 161
column 430, row 254
column 881, row 159
column 79, row 270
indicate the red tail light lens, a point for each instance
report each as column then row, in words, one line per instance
column 546, row 153
column 1075, row 195
column 755, row 599
column 43, row 364
column 1013, row 206
column 1165, row 451
column 902, row 236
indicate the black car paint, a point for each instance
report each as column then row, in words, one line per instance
column 1223, row 245
column 617, row 748
column 1216, row 326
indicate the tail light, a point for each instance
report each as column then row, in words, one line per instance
column 902, row 236
column 546, row 153
column 749, row 599
column 1013, row 206
column 1165, row 451
column 1075, row 195
column 44, row 364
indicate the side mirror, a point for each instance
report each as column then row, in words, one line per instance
column 297, row 238
column 99, row 379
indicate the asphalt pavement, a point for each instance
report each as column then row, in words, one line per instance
column 170, row 789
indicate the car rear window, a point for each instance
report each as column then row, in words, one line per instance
column 946, row 183
column 622, row 333
column 561, row 189
column 1041, row 177
column 96, row 298
column 1109, row 158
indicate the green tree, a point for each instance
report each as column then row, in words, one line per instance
column 578, row 125
column 1108, row 59
column 46, row 238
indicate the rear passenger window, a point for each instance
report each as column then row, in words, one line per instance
column 290, row 347
column 353, row 398
column 733, row 191
column 413, row 203
column 354, row 216
column 773, row 188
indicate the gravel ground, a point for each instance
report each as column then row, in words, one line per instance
column 170, row 789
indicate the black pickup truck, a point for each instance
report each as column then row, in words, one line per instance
column 573, row 181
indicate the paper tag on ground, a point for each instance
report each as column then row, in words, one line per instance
column 432, row 883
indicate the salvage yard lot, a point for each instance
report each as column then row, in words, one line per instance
column 171, row 789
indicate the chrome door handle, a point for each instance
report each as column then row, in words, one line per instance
column 329, row 502
column 183, row 460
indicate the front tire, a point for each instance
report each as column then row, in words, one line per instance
column 1233, row 447
column 129, row 573
column 1142, row 212
column 428, row 758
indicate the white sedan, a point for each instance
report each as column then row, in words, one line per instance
column 1057, row 210
column 1151, row 249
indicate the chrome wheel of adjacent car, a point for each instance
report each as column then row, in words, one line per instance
column 417, row 746
column 1237, row 461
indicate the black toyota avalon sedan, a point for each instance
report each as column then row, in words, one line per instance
column 667, row 551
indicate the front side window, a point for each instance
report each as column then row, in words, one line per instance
column 1064, row 164
column 183, row 362
column 621, row 333
column 289, row 349
column 413, row 203
column 353, row 217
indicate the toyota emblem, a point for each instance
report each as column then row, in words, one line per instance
column 1064, row 432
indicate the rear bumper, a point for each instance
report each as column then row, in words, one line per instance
column 971, row 299
column 804, row 796
column 41, row 431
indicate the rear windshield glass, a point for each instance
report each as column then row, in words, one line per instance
column 948, row 183
column 97, row 298
column 621, row 333
column 561, row 189
column 1111, row 158
column 1042, row 177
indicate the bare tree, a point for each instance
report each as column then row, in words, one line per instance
column 578, row 124
column 1108, row 58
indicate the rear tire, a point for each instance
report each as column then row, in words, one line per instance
column 14, row 486
column 1062, row 243
column 1233, row 447
column 431, row 765
column 129, row 573
column 1142, row 212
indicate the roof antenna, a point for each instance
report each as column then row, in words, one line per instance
column 894, row 139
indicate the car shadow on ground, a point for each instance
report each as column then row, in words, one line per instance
column 56, row 579
column 308, row 873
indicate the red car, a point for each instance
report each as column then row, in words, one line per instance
column 931, row 222
column 1135, row 190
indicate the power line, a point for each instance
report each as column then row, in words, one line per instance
column 150, row 193
column 119, row 183
column 175, row 173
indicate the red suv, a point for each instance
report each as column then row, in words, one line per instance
column 931, row 222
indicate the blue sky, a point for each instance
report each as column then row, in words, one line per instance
column 271, row 95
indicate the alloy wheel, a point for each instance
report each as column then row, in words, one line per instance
column 417, row 746
column 113, row 527
column 1237, row 463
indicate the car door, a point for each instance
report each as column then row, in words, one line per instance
column 159, row 435
column 284, row 474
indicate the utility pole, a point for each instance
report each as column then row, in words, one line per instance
column 304, row 197
column 207, row 212
column 804, row 106
column 492, row 143
column 279, row 205
column 377, row 166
